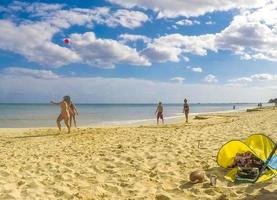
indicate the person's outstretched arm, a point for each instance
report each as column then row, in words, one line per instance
column 56, row 103
column 75, row 109
column 156, row 111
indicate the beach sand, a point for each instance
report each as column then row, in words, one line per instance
column 143, row 162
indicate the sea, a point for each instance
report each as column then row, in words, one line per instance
column 45, row 115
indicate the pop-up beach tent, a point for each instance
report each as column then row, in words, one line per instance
column 259, row 145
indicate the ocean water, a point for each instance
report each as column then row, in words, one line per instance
column 44, row 115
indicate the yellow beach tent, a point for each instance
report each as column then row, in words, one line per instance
column 258, row 144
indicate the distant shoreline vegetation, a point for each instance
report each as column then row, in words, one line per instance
column 273, row 101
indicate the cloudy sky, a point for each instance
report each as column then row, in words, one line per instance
column 128, row 51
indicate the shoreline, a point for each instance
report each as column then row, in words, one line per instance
column 168, row 120
column 177, row 118
column 176, row 121
column 173, row 120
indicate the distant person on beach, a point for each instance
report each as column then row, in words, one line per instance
column 186, row 109
column 65, row 112
column 234, row 107
column 159, row 113
column 73, row 113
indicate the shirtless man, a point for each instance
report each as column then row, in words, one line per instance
column 186, row 109
column 159, row 112
column 65, row 113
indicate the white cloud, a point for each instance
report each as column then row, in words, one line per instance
column 244, row 56
column 119, row 90
column 252, row 34
column 100, row 15
column 76, row 16
column 17, row 6
column 210, row 78
column 41, row 74
column 126, row 18
column 61, row 16
column 162, row 53
column 264, row 77
column 187, row 22
column 41, row 9
column 173, row 26
column 178, row 79
column 188, row 8
column 210, row 23
column 104, row 52
column 185, row 58
column 197, row 69
column 133, row 38
column 255, row 78
column 173, row 47
column 33, row 41
column 242, row 80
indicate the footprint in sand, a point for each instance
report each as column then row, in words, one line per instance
column 20, row 183
column 32, row 185
column 6, row 196
column 4, row 174
column 58, row 193
column 222, row 197
column 110, row 171
column 124, row 184
column 210, row 192
column 161, row 197
column 111, row 188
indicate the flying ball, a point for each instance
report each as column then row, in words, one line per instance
column 66, row 41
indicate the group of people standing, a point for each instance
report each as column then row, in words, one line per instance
column 159, row 111
column 68, row 113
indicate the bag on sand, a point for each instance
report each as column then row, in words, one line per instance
column 261, row 147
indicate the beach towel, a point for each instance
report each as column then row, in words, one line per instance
column 259, row 145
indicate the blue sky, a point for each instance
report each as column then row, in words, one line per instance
column 178, row 49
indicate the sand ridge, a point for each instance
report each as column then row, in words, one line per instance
column 143, row 162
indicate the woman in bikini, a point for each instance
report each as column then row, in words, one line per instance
column 73, row 113
column 65, row 112
column 186, row 109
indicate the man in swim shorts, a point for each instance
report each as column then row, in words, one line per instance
column 159, row 112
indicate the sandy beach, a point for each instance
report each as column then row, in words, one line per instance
column 141, row 162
